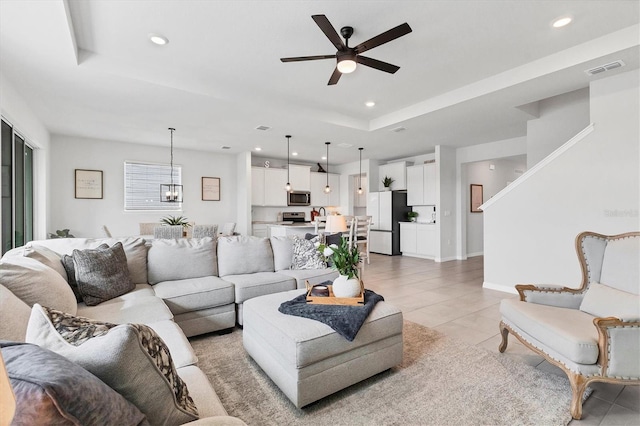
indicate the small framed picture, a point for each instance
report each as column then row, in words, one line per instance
column 476, row 198
column 210, row 189
column 88, row 184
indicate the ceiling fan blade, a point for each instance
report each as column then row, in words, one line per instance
column 334, row 77
column 383, row 38
column 329, row 31
column 307, row 58
column 379, row 65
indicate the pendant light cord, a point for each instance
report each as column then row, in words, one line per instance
column 172, row 130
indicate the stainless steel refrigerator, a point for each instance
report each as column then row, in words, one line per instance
column 387, row 209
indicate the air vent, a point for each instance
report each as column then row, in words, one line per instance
column 263, row 128
column 398, row 129
column 344, row 145
column 606, row 67
column 226, row 147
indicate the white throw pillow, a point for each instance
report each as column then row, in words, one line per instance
column 306, row 255
column 603, row 301
column 34, row 282
column 131, row 358
column 47, row 256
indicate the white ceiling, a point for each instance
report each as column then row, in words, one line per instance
column 87, row 68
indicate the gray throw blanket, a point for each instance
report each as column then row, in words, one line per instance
column 345, row 320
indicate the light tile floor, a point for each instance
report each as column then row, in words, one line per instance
column 449, row 297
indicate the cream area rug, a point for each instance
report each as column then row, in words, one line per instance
column 441, row 381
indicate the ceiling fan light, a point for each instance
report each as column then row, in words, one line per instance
column 347, row 66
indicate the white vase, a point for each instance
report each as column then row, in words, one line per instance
column 346, row 287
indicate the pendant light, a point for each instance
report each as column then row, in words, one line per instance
column 171, row 193
column 327, row 189
column 288, row 185
column 360, row 175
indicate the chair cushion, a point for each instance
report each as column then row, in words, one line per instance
column 259, row 284
column 244, row 255
column 61, row 392
column 130, row 358
column 568, row 331
column 102, row 274
column 620, row 266
column 34, row 282
column 181, row 259
column 604, row 301
column 195, row 293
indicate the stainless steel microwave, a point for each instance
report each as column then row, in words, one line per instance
column 299, row 198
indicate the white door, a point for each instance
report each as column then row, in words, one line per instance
column 373, row 209
column 384, row 215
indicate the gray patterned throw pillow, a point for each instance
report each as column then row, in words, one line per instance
column 67, row 263
column 306, row 255
column 102, row 275
column 131, row 358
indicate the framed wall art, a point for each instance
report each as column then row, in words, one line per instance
column 476, row 198
column 88, row 184
column 210, row 189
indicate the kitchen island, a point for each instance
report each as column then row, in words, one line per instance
column 299, row 229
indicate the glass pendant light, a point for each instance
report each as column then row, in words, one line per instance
column 327, row 189
column 288, row 185
column 360, row 175
column 171, row 193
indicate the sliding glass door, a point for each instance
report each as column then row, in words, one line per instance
column 16, row 157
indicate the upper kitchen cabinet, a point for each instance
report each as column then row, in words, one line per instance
column 300, row 177
column 396, row 171
column 267, row 187
column 318, row 182
column 421, row 185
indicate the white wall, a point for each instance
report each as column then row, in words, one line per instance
column 446, row 198
column 560, row 117
column 85, row 217
column 17, row 112
column 492, row 181
column 594, row 185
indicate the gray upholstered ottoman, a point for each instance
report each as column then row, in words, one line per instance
column 307, row 359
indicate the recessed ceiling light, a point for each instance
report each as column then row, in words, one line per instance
column 370, row 104
column 324, row 157
column 258, row 148
column 294, row 154
column 561, row 22
column 158, row 39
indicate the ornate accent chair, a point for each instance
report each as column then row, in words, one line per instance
column 202, row 231
column 161, row 232
column 592, row 332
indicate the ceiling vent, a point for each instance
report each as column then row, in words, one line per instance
column 606, row 67
column 344, row 145
column 398, row 129
column 226, row 147
column 263, row 128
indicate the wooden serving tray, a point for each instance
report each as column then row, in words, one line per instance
column 332, row 299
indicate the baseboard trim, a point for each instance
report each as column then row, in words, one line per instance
column 478, row 253
column 445, row 259
column 499, row 287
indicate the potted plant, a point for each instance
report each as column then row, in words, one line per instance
column 387, row 181
column 175, row 221
column 345, row 260
column 413, row 216
column 61, row 233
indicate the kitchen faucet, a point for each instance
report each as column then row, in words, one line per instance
column 324, row 212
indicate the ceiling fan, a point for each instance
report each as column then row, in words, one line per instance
column 346, row 56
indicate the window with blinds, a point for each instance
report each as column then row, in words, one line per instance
column 142, row 186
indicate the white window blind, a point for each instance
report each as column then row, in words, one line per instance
column 142, row 186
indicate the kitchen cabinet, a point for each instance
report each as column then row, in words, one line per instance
column 421, row 185
column 418, row 239
column 267, row 187
column 259, row 230
column 318, row 197
column 396, row 171
column 299, row 177
column 381, row 242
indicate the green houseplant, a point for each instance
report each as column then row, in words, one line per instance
column 413, row 216
column 175, row 220
column 345, row 260
column 61, row 233
column 387, row 181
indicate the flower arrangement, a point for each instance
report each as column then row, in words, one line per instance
column 341, row 257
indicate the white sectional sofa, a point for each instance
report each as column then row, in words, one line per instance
column 182, row 288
